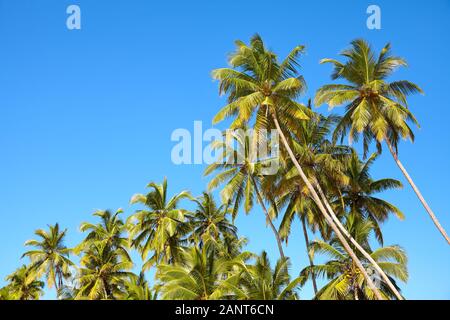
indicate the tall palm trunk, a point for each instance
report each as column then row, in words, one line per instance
column 416, row 190
column 269, row 219
column 357, row 245
column 322, row 209
column 56, row 282
column 310, row 258
column 356, row 292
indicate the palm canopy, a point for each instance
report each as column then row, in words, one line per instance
column 23, row 285
column 239, row 169
column 359, row 195
column 50, row 256
column 259, row 86
column 259, row 281
column 375, row 108
column 102, row 273
column 203, row 275
column 258, row 83
column 6, row 293
column 160, row 227
column 110, row 231
column 137, row 288
column 345, row 281
column 209, row 221
column 242, row 173
column 321, row 161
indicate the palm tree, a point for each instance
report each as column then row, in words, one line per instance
column 304, row 208
column 375, row 108
column 103, row 272
column 137, row 288
column 159, row 228
column 260, row 282
column 209, row 221
column 345, row 279
column 241, row 177
column 6, row 293
column 23, row 284
column 201, row 276
column 50, row 256
column 108, row 232
column 358, row 196
column 258, row 85
column 318, row 158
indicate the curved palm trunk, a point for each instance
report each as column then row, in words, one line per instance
column 324, row 212
column 275, row 231
column 358, row 246
column 416, row 190
column 310, row 258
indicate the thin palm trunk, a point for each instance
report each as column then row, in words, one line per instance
column 55, row 281
column 322, row 209
column 357, row 245
column 356, row 293
column 269, row 219
column 310, row 258
column 416, row 190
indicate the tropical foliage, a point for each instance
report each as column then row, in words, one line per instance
column 191, row 245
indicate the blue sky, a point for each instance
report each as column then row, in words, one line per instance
column 86, row 115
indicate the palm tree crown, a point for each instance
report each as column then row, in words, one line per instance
column 375, row 108
column 161, row 226
column 50, row 256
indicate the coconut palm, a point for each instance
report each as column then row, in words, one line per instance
column 160, row 227
column 375, row 108
column 358, row 196
column 137, row 288
column 6, row 293
column 23, row 284
column 345, row 279
column 50, row 256
column 110, row 231
column 319, row 158
column 301, row 206
column 103, row 272
column 241, row 173
column 209, row 221
column 260, row 86
column 260, row 282
column 201, row 276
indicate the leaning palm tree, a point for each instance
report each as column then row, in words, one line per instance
column 319, row 158
column 50, row 256
column 23, row 284
column 241, row 173
column 210, row 221
column 260, row 282
column 375, row 108
column 345, row 279
column 259, row 86
column 160, row 227
column 359, row 195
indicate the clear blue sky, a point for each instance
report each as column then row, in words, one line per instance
column 86, row 116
